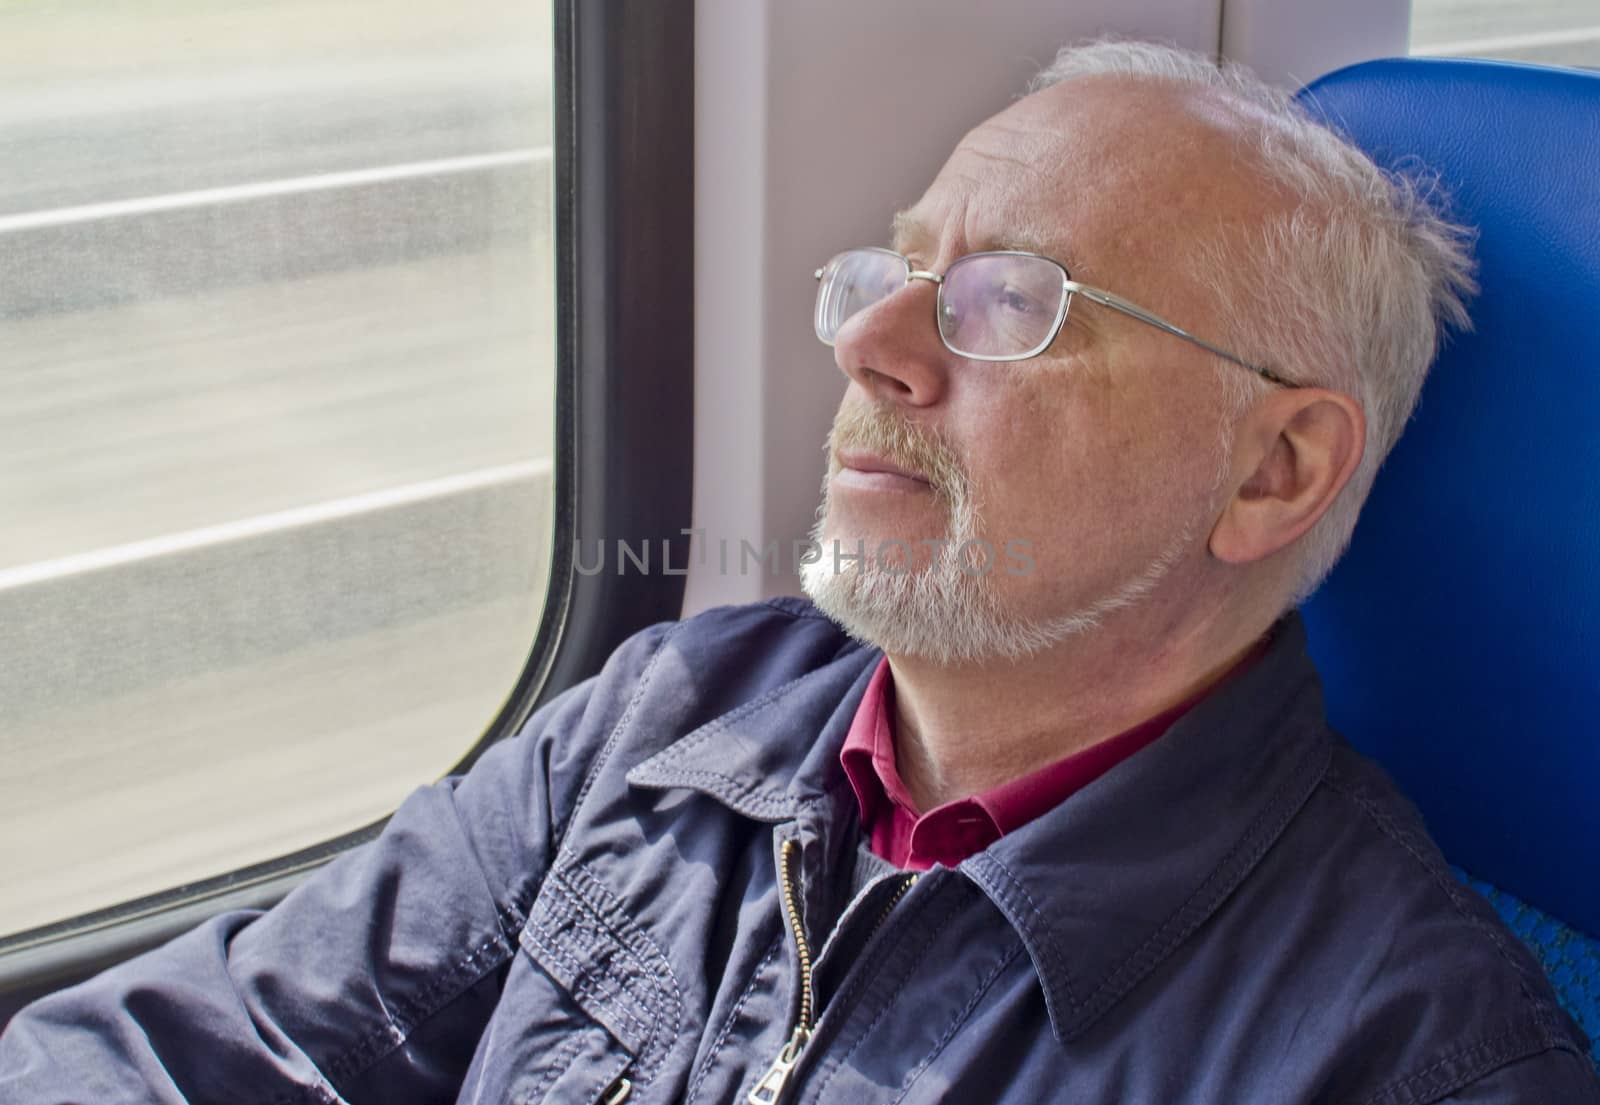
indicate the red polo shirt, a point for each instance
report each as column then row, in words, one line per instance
column 950, row 833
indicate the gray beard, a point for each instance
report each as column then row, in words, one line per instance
column 945, row 613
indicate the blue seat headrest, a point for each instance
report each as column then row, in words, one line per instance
column 1459, row 639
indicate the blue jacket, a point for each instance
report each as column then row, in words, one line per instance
column 656, row 893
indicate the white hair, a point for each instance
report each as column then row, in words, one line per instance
column 1353, row 290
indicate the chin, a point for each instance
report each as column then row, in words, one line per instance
column 854, row 525
column 933, row 612
column 941, row 614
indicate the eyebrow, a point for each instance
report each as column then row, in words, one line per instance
column 906, row 232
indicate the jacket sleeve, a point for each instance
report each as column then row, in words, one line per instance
column 1551, row 1076
column 371, row 981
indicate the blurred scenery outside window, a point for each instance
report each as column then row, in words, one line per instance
column 276, row 411
column 1548, row 32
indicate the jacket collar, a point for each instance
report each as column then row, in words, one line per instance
column 776, row 757
column 1101, row 889
column 1106, row 886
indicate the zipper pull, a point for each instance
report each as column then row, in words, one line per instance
column 770, row 1089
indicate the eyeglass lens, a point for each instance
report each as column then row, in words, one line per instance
column 1000, row 304
column 854, row 281
column 991, row 305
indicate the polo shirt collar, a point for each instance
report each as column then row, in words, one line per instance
column 955, row 830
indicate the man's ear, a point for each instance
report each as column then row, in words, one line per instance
column 1292, row 454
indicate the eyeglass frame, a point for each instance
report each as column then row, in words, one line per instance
column 1069, row 287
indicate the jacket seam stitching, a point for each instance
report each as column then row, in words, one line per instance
column 639, row 1012
column 607, row 1079
column 558, row 1062
column 681, row 749
column 733, row 1015
column 745, row 793
column 587, row 986
column 1048, row 946
column 862, row 985
column 1255, row 841
column 604, row 755
column 780, row 604
column 1451, row 890
column 960, row 1019
column 1224, row 878
column 651, row 960
column 637, row 944
column 1523, row 1041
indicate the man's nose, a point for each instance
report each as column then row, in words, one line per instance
column 893, row 350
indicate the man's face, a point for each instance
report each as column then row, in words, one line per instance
column 1100, row 459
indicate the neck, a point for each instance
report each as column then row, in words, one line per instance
column 964, row 729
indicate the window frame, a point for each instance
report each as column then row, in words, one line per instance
column 624, row 257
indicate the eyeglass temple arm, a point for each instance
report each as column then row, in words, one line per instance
column 1117, row 303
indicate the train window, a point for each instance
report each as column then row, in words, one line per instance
column 1549, row 32
column 277, row 417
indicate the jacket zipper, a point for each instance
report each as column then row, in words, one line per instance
column 905, row 884
column 772, row 1084
column 769, row 1091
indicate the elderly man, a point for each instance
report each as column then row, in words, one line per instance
column 1064, row 818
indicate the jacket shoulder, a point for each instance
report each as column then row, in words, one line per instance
column 730, row 655
column 1438, row 994
column 675, row 677
column 713, row 661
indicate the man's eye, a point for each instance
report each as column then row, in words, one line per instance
column 1016, row 302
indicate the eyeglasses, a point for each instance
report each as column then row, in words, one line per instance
column 1000, row 305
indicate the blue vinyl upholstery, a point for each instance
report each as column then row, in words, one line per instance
column 1459, row 639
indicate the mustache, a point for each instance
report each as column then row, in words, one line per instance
column 903, row 443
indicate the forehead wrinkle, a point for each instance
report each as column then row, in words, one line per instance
column 1028, row 158
column 1005, row 159
column 1009, row 228
column 1027, row 235
column 1018, row 145
column 1024, row 231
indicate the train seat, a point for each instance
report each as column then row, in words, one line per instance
column 1459, row 639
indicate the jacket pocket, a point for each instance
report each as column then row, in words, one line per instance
column 612, row 975
column 585, row 1068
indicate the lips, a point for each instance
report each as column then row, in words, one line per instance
column 870, row 463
